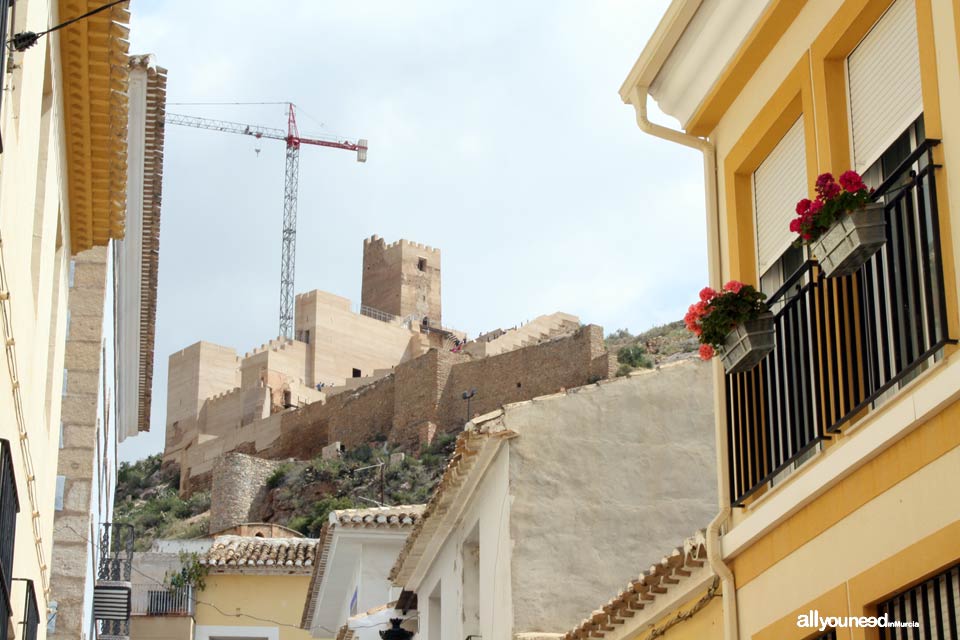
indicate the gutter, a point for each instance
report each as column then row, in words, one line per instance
column 638, row 98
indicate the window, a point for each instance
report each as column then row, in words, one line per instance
column 9, row 507
column 356, row 373
column 884, row 83
column 778, row 184
column 935, row 604
column 31, row 614
column 421, row 264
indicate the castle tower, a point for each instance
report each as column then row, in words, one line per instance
column 401, row 279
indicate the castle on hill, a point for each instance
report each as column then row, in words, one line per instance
column 390, row 371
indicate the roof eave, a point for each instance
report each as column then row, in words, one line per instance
column 659, row 47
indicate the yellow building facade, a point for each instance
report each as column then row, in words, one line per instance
column 62, row 190
column 839, row 454
column 255, row 588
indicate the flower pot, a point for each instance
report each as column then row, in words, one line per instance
column 748, row 344
column 851, row 241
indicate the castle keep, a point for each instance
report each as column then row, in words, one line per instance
column 390, row 372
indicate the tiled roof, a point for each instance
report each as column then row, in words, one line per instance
column 461, row 462
column 345, row 633
column 95, row 72
column 150, row 223
column 261, row 553
column 656, row 582
column 399, row 517
column 375, row 517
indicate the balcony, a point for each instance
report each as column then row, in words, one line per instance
column 151, row 600
column 843, row 344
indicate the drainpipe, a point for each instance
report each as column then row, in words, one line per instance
column 638, row 98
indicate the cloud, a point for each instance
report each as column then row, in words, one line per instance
column 496, row 133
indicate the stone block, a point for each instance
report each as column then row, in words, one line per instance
column 79, row 436
column 76, row 495
column 86, row 327
column 83, row 356
column 331, row 451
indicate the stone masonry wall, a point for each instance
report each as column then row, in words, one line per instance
column 237, row 479
column 421, row 397
column 78, row 455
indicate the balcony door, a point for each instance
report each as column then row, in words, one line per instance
column 778, row 184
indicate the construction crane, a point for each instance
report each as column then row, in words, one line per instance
column 290, row 187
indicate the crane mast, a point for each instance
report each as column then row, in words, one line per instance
column 291, row 188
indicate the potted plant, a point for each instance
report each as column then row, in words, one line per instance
column 734, row 323
column 842, row 225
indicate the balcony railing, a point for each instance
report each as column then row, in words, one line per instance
column 31, row 613
column 159, row 601
column 842, row 343
column 9, row 506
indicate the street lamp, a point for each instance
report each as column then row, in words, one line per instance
column 396, row 632
column 467, row 395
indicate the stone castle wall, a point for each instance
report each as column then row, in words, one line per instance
column 421, row 397
column 236, row 480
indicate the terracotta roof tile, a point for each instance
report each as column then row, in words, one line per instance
column 655, row 582
column 399, row 516
column 261, row 553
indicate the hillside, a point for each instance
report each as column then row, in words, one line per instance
column 300, row 494
column 659, row 345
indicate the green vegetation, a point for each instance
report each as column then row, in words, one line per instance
column 147, row 498
column 659, row 344
column 192, row 573
column 311, row 490
column 634, row 356
column 298, row 494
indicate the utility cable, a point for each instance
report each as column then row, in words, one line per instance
column 26, row 39
column 225, row 103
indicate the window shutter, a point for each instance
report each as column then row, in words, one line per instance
column 778, row 183
column 884, row 76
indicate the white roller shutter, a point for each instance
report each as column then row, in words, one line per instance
column 884, row 76
column 778, row 184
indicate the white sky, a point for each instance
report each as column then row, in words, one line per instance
column 496, row 134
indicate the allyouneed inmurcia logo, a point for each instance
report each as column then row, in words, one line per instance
column 813, row 620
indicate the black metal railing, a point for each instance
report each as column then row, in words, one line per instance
column 934, row 605
column 31, row 612
column 841, row 343
column 9, row 507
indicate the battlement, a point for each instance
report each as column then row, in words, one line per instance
column 276, row 344
column 401, row 278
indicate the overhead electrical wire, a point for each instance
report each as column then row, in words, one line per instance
column 26, row 39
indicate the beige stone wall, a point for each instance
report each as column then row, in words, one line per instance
column 402, row 278
column 288, row 358
column 420, row 398
column 196, row 373
column 78, row 458
column 341, row 341
column 236, row 481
